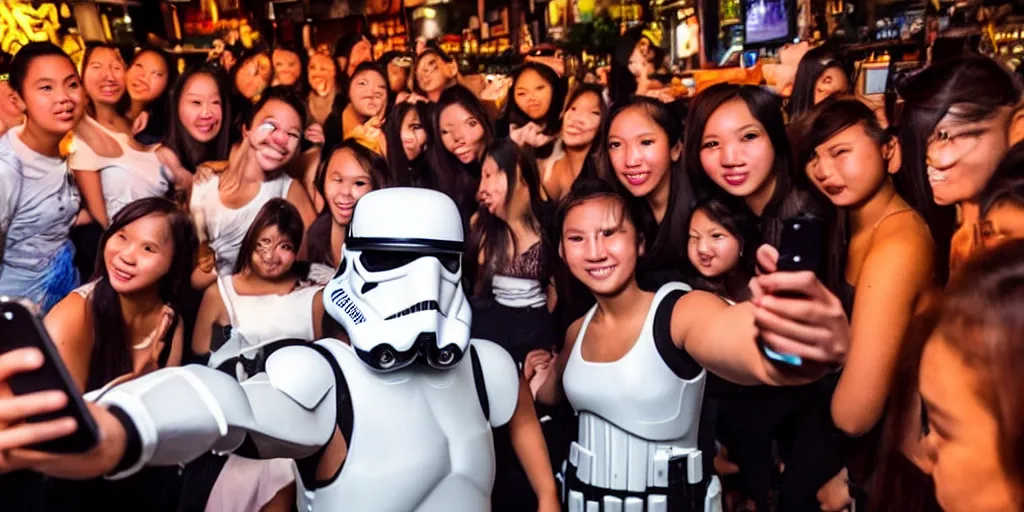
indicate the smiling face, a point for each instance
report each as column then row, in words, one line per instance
column 461, row 133
column 581, row 121
column 287, row 67
column 712, row 249
column 736, row 152
column 533, row 94
column 368, row 93
column 53, row 95
column 147, row 77
column 962, row 442
column 600, row 246
column 832, row 81
column 962, row 155
column 640, row 152
column 199, row 108
column 322, row 74
column 274, row 254
column 848, row 168
column 253, row 76
column 344, row 183
column 104, row 76
column 275, row 134
column 139, row 255
column 413, row 134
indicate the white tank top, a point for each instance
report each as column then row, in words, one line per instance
column 226, row 227
column 638, row 393
column 262, row 319
column 133, row 175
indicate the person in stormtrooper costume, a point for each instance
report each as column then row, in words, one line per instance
column 400, row 420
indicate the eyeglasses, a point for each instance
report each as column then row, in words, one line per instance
column 949, row 146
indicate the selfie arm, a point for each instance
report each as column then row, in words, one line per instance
column 178, row 414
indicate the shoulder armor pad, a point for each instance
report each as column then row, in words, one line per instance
column 501, row 380
column 302, row 373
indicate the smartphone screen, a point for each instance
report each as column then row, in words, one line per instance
column 20, row 328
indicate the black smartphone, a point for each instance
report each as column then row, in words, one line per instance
column 20, row 328
column 799, row 250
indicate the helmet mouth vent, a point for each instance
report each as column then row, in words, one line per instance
column 427, row 305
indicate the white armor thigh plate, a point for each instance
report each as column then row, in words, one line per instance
column 420, row 442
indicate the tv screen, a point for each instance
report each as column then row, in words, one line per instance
column 766, row 20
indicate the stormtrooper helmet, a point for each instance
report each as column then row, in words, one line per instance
column 398, row 292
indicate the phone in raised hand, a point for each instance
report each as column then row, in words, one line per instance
column 21, row 328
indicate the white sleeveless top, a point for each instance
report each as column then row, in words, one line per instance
column 226, row 227
column 262, row 319
column 133, row 175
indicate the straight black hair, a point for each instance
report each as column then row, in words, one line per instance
column 406, row 173
column 590, row 166
column 448, row 174
column 283, row 94
column 372, row 163
column 111, row 356
column 301, row 85
column 734, row 217
column 125, row 101
column 23, row 59
column 160, row 108
column 552, row 119
column 333, row 128
column 1007, row 184
column 621, row 82
column 812, row 65
column 191, row 152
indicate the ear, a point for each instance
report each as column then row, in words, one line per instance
column 892, row 152
column 1016, row 131
column 14, row 100
column 451, row 69
column 677, row 151
column 561, row 251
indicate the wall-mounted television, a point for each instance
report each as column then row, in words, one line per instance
column 767, row 22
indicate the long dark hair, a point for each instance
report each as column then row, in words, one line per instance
column 191, row 152
column 978, row 84
column 1007, row 184
column 449, row 175
column 766, row 107
column 621, row 82
column 553, row 118
column 590, row 166
column 406, row 173
column 730, row 213
column 160, row 108
column 278, row 213
column 812, row 65
column 820, row 124
column 666, row 251
column 491, row 234
column 124, row 102
column 111, row 356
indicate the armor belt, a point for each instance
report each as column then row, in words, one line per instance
column 678, row 496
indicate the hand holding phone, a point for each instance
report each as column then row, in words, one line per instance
column 21, row 329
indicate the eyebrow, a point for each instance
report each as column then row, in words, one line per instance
column 934, row 410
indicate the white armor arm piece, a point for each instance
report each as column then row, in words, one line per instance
column 501, row 380
column 289, row 411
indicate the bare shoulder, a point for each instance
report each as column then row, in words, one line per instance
column 572, row 333
column 905, row 236
column 68, row 319
column 167, row 156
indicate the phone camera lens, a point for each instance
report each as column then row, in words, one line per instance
column 796, row 259
column 8, row 316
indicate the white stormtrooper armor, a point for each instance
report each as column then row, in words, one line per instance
column 637, row 445
column 416, row 421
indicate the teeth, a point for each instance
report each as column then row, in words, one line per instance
column 936, row 176
column 600, row 272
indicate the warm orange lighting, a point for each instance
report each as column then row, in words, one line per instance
column 21, row 23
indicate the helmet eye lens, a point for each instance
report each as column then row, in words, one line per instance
column 381, row 261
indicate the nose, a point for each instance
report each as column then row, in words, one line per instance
column 703, row 247
column 279, row 137
column 822, row 171
column 595, row 250
column 730, row 156
column 457, row 135
column 633, row 156
column 127, row 255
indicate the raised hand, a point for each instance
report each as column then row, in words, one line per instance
column 140, row 123
column 153, row 345
column 315, row 134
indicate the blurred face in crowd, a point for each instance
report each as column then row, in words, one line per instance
column 414, row 135
column 53, row 95
column 581, row 121
column 10, row 105
column 228, row 60
column 361, row 52
column 962, row 155
column 832, row 81
column 274, row 254
column 287, row 67
column 600, row 245
column 533, row 94
column 368, row 93
column 849, row 168
column 254, row 76
column 1002, row 223
column 147, row 77
column 462, row 133
column 104, row 76
column 493, row 189
column 640, row 152
column 139, row 255
column 712, row 249
column 345, row 183
column 398, row 76
column 275, row 134
column 962, row 441
column 199, row 108
column 322, row 74
column 430, row 73
column 736, row 152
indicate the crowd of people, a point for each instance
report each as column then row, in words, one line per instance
column 621, row 249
